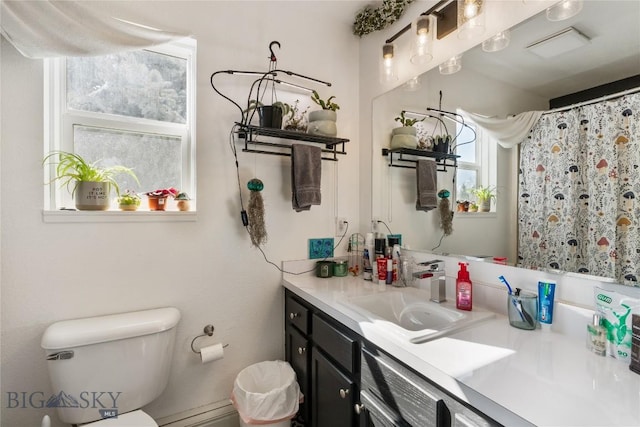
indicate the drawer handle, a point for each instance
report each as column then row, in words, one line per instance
column 344, row 393
column 293, row 315
column 301, row 350
column 359, row 408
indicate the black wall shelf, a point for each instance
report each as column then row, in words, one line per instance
column 406, row 158
column 250, row 133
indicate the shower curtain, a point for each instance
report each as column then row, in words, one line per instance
column 579, row 178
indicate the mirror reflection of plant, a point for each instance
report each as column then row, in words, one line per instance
column 405, row 121
column 483, row 193
column 72, row 168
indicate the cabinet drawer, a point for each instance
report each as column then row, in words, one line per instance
column 297, row 314
column 342, row 348
column 417, row 402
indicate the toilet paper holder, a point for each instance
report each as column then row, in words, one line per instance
column 208, row 331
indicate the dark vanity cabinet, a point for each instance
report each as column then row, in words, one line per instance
column 348, row 382
column 326, row 358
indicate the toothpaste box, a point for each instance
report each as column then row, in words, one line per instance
column 635, row 344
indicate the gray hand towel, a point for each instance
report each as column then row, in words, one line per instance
column 427, row 183
column 306, row 170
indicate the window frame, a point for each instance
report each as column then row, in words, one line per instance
column 486, row 160
column 60, row 121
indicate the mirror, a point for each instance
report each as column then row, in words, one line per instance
column 496, row 84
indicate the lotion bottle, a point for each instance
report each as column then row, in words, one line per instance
column 464, row 298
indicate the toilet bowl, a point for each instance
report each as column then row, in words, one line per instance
column 110, row 365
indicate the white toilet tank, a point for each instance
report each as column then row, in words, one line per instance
column 109, row 364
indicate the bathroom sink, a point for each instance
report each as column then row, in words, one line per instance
column 408, row 313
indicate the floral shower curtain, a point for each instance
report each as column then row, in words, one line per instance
column 579, row 178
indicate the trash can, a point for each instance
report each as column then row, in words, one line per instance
column 266, row 393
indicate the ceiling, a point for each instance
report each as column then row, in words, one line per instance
column 613, row 52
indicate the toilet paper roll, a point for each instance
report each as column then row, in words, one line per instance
column 211, row 353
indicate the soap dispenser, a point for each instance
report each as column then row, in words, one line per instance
column 464, row 299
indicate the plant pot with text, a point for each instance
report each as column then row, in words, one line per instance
column 93, row 196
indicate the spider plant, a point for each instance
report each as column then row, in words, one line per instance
column 71, row 169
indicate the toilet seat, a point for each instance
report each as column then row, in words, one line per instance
column 130, row 419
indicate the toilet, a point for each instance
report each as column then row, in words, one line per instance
column 104, row 369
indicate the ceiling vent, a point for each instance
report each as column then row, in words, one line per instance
column 559, row 43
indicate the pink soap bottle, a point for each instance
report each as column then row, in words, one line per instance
column 464, row 298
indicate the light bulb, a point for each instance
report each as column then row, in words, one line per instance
column 470, row 9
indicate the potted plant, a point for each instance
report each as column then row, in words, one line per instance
column 89, row 183
column 473, row 207
column 270, row 115
column 158, row 198
column 483, row 197
column 129, row 201
column 323, row 122
column 406, row 135
column 297, row 119
column 182, row 201
column 441, row 144
column 462, row 205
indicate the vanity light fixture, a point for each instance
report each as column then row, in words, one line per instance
column 470, row 18
column 422, row 40
column 564, row 10
column 498, row 42
column 388, row 67
column 451, row 66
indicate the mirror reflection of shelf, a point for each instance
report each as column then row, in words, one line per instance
column 407, row 158
column 250, row 133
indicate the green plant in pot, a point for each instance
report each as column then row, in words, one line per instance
column 484, row 195
column 406, row 135
column 89, row 183
column 270, row 115
column 129, row 201
column 323, row 122
column 296, row 119
column 442, row 143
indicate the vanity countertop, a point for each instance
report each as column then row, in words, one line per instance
column 517, row 377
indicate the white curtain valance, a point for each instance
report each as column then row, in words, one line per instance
column 42, row 29
column 510, row 131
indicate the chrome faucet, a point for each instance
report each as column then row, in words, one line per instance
column 435, row 271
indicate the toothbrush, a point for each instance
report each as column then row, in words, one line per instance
column 513, row 300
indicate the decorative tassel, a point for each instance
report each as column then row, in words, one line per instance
column 256, row 227
column 446, row 214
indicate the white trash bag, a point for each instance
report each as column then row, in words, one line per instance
column 266, row 393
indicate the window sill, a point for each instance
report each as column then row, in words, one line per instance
column 118, row 216
column 473, row 215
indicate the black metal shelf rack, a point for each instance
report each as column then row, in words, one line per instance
column 250, row 133
column 443, row 160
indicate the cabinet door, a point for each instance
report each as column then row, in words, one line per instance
column 298, row 355
column 333, row 394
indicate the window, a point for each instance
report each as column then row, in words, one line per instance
column 477, row 162
column 135, row 109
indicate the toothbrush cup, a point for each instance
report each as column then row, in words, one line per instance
column 523, row 310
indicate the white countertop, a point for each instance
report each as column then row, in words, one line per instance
column 515, row 376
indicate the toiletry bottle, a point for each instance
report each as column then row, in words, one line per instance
column 396, row 261
column 597, row 336
column 464, row 300
column 546, row 293
column 366, row 262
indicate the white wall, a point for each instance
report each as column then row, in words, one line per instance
column 207, row 269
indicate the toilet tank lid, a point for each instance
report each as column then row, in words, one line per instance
column 99, row 329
